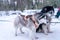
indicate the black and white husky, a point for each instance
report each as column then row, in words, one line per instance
column 45, row 16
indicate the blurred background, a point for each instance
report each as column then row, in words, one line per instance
column 9, row 7
column 27, row 4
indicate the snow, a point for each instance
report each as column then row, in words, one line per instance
column 7, row 30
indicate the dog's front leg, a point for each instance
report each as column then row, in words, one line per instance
column 48, row 28
column 44, row 27
column 21, row 30
column 16, row 28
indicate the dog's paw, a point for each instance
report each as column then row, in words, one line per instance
column 36, row 37
column 46, row 33
column 50, row 32
column 15, row 34
column 22, row 32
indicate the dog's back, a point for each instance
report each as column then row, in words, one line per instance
column 19, row 21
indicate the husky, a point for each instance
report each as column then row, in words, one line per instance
column 45, row 15
column 26, row 25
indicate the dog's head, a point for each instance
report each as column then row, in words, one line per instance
column 47, row 10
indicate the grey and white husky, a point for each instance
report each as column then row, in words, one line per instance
column 25, row 26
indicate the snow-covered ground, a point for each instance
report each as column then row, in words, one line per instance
column 7, row 30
